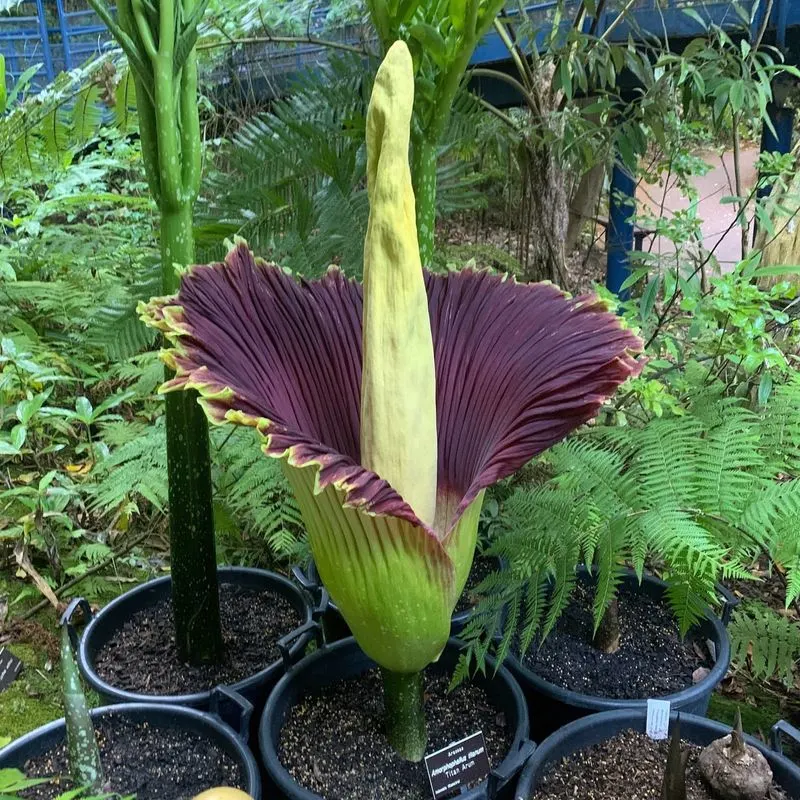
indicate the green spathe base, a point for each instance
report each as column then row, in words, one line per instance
column 404, row 709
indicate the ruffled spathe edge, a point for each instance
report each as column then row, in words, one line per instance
column 518, row 367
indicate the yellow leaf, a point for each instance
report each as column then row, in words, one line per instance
column 79, row 469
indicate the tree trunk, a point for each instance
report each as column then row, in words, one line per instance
column 584, row 204
column 784, row 246
column 544, row 216
column 607, row 636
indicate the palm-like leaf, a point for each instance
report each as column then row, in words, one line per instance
column 293, row 181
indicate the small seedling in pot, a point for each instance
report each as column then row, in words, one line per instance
column 82, row 750
column 674, row 786
column 733, row 769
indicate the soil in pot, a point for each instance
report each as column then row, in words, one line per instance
column 481, row 567
column 332, row 741
column 652, row 659
column 154, row 763
column 142, row 656
column 629, row 766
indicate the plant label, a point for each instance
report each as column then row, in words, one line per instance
column 712, row 648
column 459, row 764
column 10, row 667
column 658, row 719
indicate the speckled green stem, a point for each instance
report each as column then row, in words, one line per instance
column 83, row 753
column 423, row 174
column 154, row 37
column 404, row 708
column 195, row 596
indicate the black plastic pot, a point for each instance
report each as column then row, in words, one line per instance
column 332, row 620
column 230, row 740
column 552, row 707
column 106, row 624
column 345, row 659
column 598, row 728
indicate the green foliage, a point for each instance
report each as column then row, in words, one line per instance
column 722, row 331
column 293, row 181
column 253, row 499
column 234, row 19
column 13, row 785
column 256, row 493
column 693, row 494
column 765, row 641
column 13, row 781
column 134, row 471
column 45, row 131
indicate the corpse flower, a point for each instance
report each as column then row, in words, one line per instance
column 394, row 405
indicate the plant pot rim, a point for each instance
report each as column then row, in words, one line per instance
column 627, row 719
column 248, row 763
column 191, row 699
column 288, row 786
column 599, row 703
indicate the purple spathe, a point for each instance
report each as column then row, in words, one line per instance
column 517, row 368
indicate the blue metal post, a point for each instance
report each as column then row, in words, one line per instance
column 781, row 13
column 619, row 240
column 43, row 33
column 64, row 29
column 781, row 140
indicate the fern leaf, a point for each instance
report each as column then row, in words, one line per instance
column 666, row 459
column 771, row 642
column 609, row 568
column 125, row 101
column 728, row 464
column 86, row 114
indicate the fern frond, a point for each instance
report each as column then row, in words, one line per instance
column 780, row 432
column 114, row 325
column 771, row 642
column 688, row 597
column 136, row 470
column 772, row 520
column 256, row 491
column 125, row 101
column 536, row 593
column 728, row 464
column 609, row 567
column 665, row 461
column 33, row 133
column 86, row 114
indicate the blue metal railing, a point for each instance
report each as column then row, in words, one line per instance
column 44, row 32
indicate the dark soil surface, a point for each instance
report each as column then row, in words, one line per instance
column 481, row 567
column 143, row 658
column 152, row 763
column 628, row 767
column 332, row 742
column 652, row 659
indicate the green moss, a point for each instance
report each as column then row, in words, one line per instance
column 35, row 696
column 756, row 719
